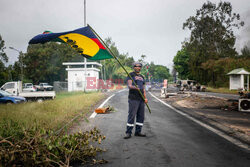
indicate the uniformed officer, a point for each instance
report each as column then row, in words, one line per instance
column 136, row 102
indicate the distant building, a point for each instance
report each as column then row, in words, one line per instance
column 77, row 80
column 237, row 79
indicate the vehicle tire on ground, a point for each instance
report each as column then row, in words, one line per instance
column 9, row 102
column 40, row 100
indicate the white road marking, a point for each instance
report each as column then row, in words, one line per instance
column 94, row 113
column 218, row 132
column 121, row 90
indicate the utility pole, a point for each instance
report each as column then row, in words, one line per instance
column 85, row 60
column 85, row 13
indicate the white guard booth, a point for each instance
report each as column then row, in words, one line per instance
column 77, row 80
column 236, row 79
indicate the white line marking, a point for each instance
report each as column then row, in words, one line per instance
column 94, row 113
column 121, row 90
column 220, row 133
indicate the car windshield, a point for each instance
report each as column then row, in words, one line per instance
column 4, row 93
column 28, row 85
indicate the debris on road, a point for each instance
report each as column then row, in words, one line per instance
column 104, row 110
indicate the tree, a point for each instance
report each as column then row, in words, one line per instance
column 121, row 74
column 43, row 62
column 3, row 60
column 181, row 64
column 144, row 70
column 3, row 56
column 211, row 37
column 112, row 68
column 159, row 72
column 245, row 52
column 142, row 59
column 219, row 68
column 15, row 71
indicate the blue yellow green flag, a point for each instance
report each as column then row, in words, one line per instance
column 83, row 40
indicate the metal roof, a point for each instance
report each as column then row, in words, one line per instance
column 238, row 71
column 81, row 63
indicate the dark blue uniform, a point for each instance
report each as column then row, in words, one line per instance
column 136, row 104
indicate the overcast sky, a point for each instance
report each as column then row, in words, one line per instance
column 149, row 27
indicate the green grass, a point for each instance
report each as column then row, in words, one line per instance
column 61, row 95
column 221, row 90
column 51, row 114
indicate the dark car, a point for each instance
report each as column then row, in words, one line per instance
column 7, row 98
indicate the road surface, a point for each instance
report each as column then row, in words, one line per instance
column 172, row 140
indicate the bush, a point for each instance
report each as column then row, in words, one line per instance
column 10, row 128
column 39, row 147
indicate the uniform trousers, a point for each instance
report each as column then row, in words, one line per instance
column 136, row 109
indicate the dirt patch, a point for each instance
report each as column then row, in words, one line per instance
column 218, row 112
column 194, row 101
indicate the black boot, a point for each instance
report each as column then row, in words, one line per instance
column 140, row 134
column 128, row 135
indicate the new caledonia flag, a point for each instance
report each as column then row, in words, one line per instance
column 83, row 40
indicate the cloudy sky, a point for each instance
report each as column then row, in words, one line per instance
column 149, row 27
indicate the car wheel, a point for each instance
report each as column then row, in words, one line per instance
column 40, row 100
column 9, row 102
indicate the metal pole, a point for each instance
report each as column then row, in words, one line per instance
column 247, row 82
column 85, row 60
column 104, row 70
column 21, row 61
column 85, row 13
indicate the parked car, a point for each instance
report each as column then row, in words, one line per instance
column 44, row 87
column 7, row 98
column 16, row 88
column 28, row 87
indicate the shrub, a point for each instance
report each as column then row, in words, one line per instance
column 40, row 147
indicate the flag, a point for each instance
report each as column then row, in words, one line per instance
column 83, row 40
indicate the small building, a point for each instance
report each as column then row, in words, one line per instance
column 237, row 79
column 78, row 78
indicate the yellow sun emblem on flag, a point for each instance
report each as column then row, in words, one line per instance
column 81, row 43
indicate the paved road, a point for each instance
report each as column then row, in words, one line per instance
column 172, row 140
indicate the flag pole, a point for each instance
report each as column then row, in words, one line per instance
column 120, row 65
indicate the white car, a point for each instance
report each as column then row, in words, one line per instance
column 28, row 87
column 44, row 86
